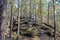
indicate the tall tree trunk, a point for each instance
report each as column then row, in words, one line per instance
column 41, row 10
column 18, row 19
column 48, row 14
column 11, row 19
column 2, row 3
column 54, row 3
column 30, row 14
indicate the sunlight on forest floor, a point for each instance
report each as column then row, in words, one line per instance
column 36, row 38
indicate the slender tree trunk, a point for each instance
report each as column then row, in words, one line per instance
column 18, row 19
column 48, row 15
column 2, row 3
column 21, row 7
column 54, row 1
column 11, row 19
column 41, row 10
column 30, row 14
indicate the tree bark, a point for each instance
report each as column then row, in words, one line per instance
column 54, row 4
column 2, row 3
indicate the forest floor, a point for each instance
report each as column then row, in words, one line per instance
column 43, row 32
